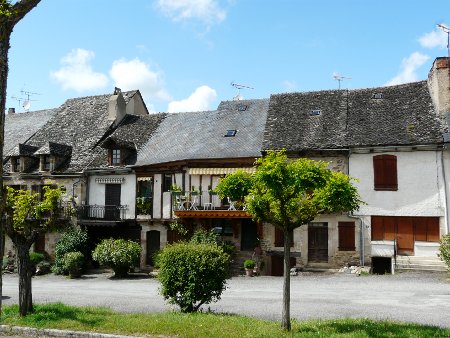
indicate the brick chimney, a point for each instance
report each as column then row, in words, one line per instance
column 439, row 85
column 116, row 107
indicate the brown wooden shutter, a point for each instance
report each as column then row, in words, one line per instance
column 389, row 228
column 385, row 172
column 110, row 156
column 279, row 237
column 420, row 228
column 377, row 228
column 346, row 236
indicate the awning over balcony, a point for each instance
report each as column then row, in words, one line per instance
column 219, row 171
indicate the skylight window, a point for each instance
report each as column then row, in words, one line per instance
column 315, row 112
column 242, row 107
column 230, row 133
column 378, row 96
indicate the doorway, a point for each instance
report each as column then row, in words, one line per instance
column 153, row 245
column 318, row 242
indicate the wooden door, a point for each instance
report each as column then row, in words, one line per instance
column 153, row 245
column 405, row 236
column 112, row 201
column 318, row 243
column 277, row 265
column 249, row 235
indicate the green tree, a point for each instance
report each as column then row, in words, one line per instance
column 192, row 274
column 444, row 250
column 26, row 217
column 235, row 186
column 289, row 193
column 11, row 12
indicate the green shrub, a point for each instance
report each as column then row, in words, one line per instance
column 73, row 263
column 36, row 258
column 444, row 250
column 249, row 264
column 71, row 241
column 192, row 274
column 203, row 236
column 118, row 254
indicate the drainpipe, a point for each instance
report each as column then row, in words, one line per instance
column 445, row 189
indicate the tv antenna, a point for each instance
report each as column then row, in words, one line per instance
column 239, row 87
column 27, row 102
column 339, row 78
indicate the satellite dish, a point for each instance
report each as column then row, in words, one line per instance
column 26, row 105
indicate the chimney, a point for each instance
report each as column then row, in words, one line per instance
column 11, row 110
column 439, row 85
column 116, row 107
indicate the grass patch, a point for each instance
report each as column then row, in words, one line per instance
column 60, row 316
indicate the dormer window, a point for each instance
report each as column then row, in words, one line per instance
column 15, row 164
column 231, row 133
column 46, row 163
column 116, row 158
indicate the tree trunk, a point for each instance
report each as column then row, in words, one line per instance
column 25, row 273
column 286, row 314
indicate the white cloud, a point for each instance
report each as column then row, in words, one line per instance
column 136, row 74
column 199, row 100
column 408, row 69
column 76, row 72
column 207, row 11
column 436, row 38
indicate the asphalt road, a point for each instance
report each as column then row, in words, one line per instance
column 409, row 297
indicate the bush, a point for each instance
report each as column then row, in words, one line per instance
column 72, row 241
column 36, row 258
column 192, row 274
column 249, row 264
column 118, row 254
column 203, row 236
column 444, row 250
column 73, row 263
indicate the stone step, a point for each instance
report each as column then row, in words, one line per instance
column 432, row 263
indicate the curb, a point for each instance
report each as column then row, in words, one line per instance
column 33, row 332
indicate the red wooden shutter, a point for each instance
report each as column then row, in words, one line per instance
column 279, row 237
column 420, row 228
column 385, row 172
column 346, row 236
column 433, row 229
column 389, row 228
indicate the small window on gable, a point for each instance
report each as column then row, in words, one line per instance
column 231, row 133
column 378, row 96
column 15, row 163
column 385, row 172
column 116, row 158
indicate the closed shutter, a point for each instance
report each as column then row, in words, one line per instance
column 389, row 228
column 279, row 237
column 385, row 172
column 432, row 229
column 346, row 236
column 377, row 228
column 112, row 194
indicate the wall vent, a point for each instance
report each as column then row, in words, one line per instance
column 315, row 112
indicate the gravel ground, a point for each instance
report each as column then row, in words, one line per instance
column 418, row 297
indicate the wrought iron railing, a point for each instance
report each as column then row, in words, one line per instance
column 204, row 200
column 102, row 212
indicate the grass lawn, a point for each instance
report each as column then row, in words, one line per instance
column 60, row 316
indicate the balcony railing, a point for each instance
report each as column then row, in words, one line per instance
column 102, row 212
column 184, row 201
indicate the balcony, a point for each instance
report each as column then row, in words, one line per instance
column 144, row 207
column 110, row 213
column 205, row 205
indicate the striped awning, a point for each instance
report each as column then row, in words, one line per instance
column 219, row 171
column 145, row 178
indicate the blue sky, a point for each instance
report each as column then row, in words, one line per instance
column 184, row 54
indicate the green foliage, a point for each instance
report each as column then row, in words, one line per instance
column 203, row 236
column 444, row 250
column 249, row 264
column 6, row 8
column 70, row 241
column 144, row 205
column 192, row 274
column 73, row 263
column 289, row 193
column 179, row 228
column 119, row 254
column 36, row 258
column 235, row 186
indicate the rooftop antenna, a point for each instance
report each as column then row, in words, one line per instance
column 239, row 87
column 446, row 30
column 27, row 103
column 339, row 78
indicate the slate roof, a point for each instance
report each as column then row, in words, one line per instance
column 52, row 148
column 80, row 123
column 403, row 116
column 200, row 135
column 19, row 127
column 22, row 150
column 132, row 133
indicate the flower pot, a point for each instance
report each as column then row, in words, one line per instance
column 249, row 272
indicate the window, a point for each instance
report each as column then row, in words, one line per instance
column 46, row 165
column 230, row 133
column 385, row 172
column 15, row 161
column 346, row 236
column 115, row 157
column 167, row 182
column 426, row 229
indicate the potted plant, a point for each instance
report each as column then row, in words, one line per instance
column 249, row 265
column 73, row 263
